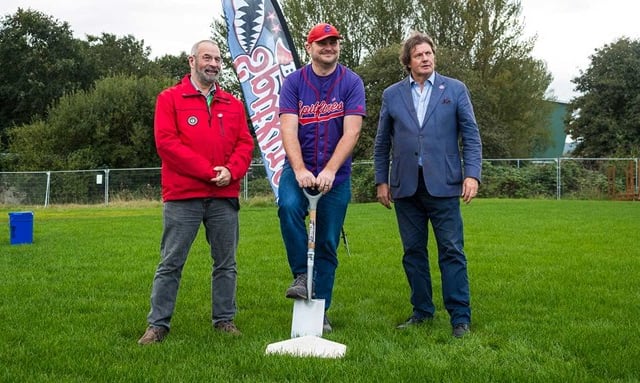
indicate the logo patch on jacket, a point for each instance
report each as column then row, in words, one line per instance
column 192, row 120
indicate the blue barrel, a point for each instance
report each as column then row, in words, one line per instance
column 21, row 227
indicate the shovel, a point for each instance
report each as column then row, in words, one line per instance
column 308, row 314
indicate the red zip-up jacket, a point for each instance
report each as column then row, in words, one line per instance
column 192, row 138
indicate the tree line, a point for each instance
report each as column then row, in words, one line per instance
column 72, row 103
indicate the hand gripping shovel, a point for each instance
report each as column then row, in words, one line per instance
column 308, row 314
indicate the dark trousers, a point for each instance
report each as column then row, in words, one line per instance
column 413, row 214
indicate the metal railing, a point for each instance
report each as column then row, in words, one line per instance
column 554, row 178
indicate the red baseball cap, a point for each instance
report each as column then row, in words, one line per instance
column 322, row 31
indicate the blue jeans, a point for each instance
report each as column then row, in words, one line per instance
column 292, row 211
column 413, row 214
column 182, row 221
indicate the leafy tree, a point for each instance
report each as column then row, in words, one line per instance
column 303, row 15
column 378, row 71
column 109, row 126
column 389, row 22
column 40, row 62
column 366, row 25
column 174, row 67
column 605, row 119
column 108, row 55
column 481, row 42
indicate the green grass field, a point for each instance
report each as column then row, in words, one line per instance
column 554, row 287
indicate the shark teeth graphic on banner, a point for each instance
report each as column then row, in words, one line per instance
column 248, row 23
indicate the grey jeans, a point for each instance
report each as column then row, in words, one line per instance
column 182, row 221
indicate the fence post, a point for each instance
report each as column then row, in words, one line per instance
column 106, row 187
column 637, row 191
column 47, row 190
column 558, row 178
column 245, row 180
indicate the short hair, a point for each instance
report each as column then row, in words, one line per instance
column 194, row 48
column 415, row 39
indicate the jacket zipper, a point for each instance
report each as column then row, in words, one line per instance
column 221, row 125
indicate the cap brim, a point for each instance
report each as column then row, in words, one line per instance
column 326, row 37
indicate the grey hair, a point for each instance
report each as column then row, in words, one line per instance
column 194, row 49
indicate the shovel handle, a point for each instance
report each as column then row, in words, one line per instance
column 313, row 195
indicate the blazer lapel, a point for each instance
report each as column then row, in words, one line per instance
column 436, row 94
column 407, row 98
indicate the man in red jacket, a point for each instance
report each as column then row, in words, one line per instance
column 204, row 143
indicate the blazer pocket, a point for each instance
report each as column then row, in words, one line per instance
column 454, row 169
column 394, row 178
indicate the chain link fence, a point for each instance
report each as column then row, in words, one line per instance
column 551, row 178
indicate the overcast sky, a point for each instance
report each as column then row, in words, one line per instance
column 568, row 30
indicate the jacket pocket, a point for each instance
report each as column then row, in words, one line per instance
column 454, row 169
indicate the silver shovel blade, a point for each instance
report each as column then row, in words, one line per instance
column 308, row 317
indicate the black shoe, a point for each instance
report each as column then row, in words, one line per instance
column 460, row 330
column 326, row 325
column 413, row 321
column 298, row 289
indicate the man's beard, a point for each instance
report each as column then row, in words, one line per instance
column 205, row 78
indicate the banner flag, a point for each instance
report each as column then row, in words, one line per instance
column 263, row 55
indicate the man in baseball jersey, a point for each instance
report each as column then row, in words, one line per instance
column 322, row 106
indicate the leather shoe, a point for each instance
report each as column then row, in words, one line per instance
column 460, row 329
column 154, row 334
column 413, row 321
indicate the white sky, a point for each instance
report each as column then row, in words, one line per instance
column 568, row 30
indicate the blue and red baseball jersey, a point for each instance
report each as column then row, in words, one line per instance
column 321, row 104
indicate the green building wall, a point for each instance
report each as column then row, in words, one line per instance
column 558, row 136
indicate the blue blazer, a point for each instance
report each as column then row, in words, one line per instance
column 448, row 140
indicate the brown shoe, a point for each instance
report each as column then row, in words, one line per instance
column 227, row 326
column 153, row 335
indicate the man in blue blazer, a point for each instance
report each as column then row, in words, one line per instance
column 428, row 136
